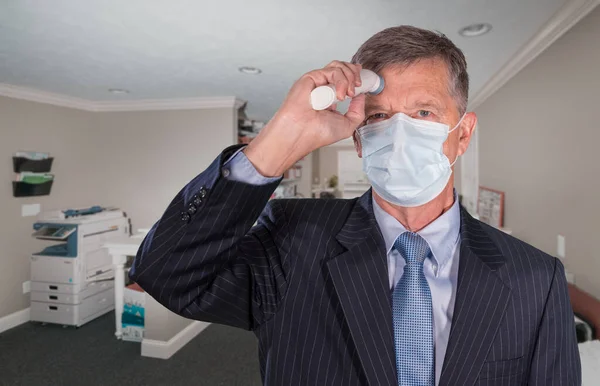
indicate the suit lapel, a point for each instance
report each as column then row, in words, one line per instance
column 360, row 279
column 359, row 275
column 481, row 300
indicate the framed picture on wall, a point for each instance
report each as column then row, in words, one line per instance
column 490, row 206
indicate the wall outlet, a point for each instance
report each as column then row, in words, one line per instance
column 26, row 287
column 560, row 246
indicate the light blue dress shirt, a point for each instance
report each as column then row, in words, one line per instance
column 441, row 271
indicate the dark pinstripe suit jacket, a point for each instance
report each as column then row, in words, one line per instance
column 310, row 280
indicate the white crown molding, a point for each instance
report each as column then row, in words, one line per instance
column 166, row 104
column 561, row 22
column 32, row 95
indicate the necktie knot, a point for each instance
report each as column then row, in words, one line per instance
column 412, row 247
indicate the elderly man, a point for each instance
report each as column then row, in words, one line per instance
column 398, row 287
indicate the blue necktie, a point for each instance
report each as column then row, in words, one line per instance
column 413, row 315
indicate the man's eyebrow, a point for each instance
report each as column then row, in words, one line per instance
column 373, row 106
column 427, row 105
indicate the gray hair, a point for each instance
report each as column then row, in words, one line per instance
column 405, row 45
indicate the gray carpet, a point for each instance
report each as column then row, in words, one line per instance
column 36, row 355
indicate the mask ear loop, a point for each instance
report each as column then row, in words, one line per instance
column 455, row 159
column 458, row 124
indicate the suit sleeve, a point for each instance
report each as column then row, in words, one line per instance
column 556, row 357
column 204, row 259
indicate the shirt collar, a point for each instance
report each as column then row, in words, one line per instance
column 441, row 235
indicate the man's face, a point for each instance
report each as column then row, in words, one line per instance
column 422, row 91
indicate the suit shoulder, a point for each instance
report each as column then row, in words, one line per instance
column 521, row 255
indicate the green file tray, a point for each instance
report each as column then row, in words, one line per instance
column 25, row 189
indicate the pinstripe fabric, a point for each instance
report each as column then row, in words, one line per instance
column 311, row 281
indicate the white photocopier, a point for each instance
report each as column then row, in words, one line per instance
column 71, row 281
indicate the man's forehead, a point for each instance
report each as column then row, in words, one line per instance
column 422, row 84
column 414, row 98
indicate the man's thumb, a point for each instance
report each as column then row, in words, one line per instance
column 356, row 110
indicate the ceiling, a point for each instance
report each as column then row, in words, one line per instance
column 182, row 49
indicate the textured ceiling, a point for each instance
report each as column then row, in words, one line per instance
column 178, row 49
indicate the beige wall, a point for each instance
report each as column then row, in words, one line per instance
column 539, row 138
column 30, row 126
column 146, row 157
column 136, row 161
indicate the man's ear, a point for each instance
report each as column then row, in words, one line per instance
column 357, row 144
column 467, row 128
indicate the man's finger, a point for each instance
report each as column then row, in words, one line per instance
column 350, row 72
column 356, row 110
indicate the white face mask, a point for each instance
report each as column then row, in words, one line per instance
column 404, row 159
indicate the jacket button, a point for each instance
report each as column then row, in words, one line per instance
column 185, row 217
column 202, row 192
column 192, row 208
column 225, row 172
column 196, row 200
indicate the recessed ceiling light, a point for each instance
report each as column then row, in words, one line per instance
column 118, row 91
column 474, row 30
column 250, row 70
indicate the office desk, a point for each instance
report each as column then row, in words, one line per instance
column 119, row 250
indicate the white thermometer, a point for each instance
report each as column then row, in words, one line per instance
column 324, row 96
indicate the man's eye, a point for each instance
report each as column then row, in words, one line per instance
column 424, row 114
column 375, row 118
